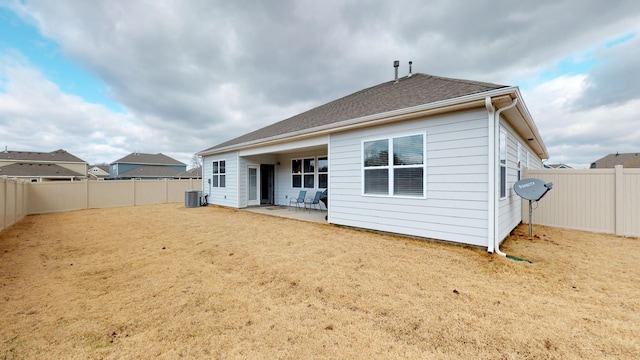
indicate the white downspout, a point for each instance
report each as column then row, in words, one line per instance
column 491, row 201
column 494, row 128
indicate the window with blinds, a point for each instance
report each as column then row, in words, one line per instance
column 401, row 174
column 503, row 164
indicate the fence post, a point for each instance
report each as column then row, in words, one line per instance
column 166, row 190
column 619, row 214
column 15, row 201
column 3, row 179
column 86, row 193
column 133, row 183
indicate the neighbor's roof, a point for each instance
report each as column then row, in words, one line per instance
column 411, row 91
column 152, row 171
column 195, row 173
column 37, row 170
column 149, row 159
column 628, row 160
column 104, row 168
column 557, row 166
column 59, row 155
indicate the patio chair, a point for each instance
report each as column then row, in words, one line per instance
column 315, row 202
column 298, row 201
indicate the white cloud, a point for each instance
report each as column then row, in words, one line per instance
column 35, row 115
column 191, row 74
column 580, row 137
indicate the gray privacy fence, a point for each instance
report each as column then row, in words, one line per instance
column 597, row 200
column 19, row 198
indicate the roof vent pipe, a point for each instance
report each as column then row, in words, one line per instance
column 410, row 62
column 396, row 63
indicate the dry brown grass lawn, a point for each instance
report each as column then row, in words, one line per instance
column 169, row 282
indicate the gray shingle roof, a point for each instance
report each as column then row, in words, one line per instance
column 59, row 155
column 411, row 91
column 37, row 170
column 628, row 160
column 193, row 173
column 149, row 159
column 153, row 171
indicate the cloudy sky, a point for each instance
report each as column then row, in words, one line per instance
column 104, row 78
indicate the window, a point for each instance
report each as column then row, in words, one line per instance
column 309, row 170
column 296, row 173
column 219, row 174
column 376, row 167
column 399, row 175
column 303, row 173
column 503, row 164
column 323, row 172
column 519, row 159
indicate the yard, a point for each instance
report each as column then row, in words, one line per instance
column 164, row 281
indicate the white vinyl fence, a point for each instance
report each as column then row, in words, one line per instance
column 14, row 196
column 19, row 198
column 597, row 200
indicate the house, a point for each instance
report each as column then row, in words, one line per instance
column 194, row 173
column 422, row 155
column 57, row 165
column 556, row 166
column 146, row 166
column 98, row 172
column 628, row 160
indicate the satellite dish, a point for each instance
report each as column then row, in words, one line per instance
column 532, row 190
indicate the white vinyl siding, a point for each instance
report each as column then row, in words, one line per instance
column 226, row 195
column 456, row 173
column 510, row 211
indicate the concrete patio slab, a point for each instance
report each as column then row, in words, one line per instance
column 291, row 213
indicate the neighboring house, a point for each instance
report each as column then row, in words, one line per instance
column 423, row 156
column 146, row 166
column 628, row 160
column 556, row 166
column 98, row 172
column 195, row 173
column 42, row 166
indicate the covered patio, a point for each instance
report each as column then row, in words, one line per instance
column 311, row 215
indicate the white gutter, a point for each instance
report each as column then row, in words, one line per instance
column 494, row 212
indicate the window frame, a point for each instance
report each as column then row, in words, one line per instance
column 219, row 177
column 322, row 173
column 519, row 161
column 503, row 153
column 296, row 174
column 304, row 174
column 391, row 167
